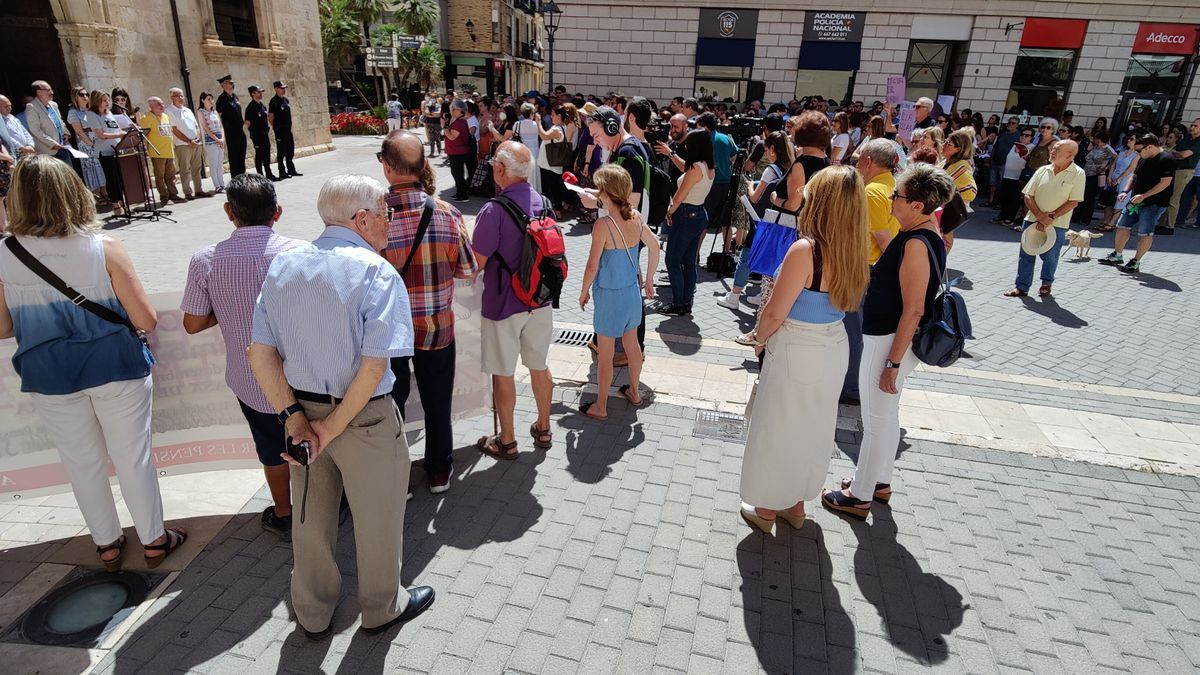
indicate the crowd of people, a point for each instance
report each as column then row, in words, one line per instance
column 180, row 143
column 847, row 234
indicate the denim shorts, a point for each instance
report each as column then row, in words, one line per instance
column 1143, row 221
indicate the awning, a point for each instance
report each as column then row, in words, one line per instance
column 724, row 52
column 842, row 56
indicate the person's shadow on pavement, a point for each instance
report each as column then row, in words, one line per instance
column 489, row 501
column 794, row 614
column 593, row 447
column 918, row 609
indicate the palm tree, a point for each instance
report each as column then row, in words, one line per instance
column 417, row 17
column 339, row 32
column 368, row 12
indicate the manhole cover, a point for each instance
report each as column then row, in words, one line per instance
column 720, row 425
column 573, row 338
column 82, row 610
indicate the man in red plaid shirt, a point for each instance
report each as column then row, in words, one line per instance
column 441, row 253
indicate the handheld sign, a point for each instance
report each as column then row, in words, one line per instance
column 896, row 86
column 908, row 121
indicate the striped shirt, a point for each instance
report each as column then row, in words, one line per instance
column 445, row 251
column 224, row 279
column 326, row 305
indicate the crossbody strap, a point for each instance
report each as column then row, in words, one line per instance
column 426, row 216
column 61, row 286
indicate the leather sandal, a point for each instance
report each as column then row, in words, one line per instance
column 118, row 546
column 1044, row 291
column 175, row 539
column 1015, row 293
column 493, row 447
column 542, row 438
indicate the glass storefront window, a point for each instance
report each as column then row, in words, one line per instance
column 721, row 82
column 824, row 83
column 1154, row 73
column 929, row 69
column 1040, row 81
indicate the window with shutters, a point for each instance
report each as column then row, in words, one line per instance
column 236, row 23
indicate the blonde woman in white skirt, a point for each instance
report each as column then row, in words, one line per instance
column 795, row 411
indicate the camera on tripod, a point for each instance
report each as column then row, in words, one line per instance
column 744, row 128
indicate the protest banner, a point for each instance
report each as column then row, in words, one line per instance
column 197, row 425
column 908, row 122
column 896, row 88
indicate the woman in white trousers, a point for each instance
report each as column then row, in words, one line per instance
column 903, row 286
column 214, row 140
column 792, row 427
column 89, row 377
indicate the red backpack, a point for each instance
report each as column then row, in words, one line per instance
column 542, row 270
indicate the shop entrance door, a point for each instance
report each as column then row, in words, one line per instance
column 1146, row 110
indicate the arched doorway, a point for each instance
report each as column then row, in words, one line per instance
column 30, row 50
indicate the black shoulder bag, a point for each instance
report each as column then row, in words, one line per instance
column 75, row 296
column 426, row 216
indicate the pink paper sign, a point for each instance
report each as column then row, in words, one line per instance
column 896, row 86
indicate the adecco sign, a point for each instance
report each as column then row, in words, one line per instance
column 1165, row 38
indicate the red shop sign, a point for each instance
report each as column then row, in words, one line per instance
column 1166, row 38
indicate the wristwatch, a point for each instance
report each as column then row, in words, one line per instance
column 289, row 411
column 888, row 363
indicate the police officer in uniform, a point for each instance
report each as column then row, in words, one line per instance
column 230, row 109
column 279, row 113
column 257, row 122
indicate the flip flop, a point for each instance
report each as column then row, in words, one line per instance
column 588, row 406
column 626, row 390
column 493, row 447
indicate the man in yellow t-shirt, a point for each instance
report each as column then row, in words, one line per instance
column 877, row 159
column 161, row 149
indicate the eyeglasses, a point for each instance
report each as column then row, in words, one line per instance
column 387, row 213
column 1047, row 128
column 896, row 195
column 1137, row 149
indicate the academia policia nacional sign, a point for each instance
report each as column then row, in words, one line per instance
column 833, row 26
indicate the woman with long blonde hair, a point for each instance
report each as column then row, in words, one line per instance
column 823, row 275
column 612, row 274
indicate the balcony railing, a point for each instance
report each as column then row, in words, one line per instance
column 529, row 50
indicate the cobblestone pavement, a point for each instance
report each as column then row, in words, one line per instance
column 620, row 550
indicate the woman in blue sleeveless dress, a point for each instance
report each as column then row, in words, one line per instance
column 613, row 276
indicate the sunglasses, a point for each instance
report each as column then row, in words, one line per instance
column 1047, row 128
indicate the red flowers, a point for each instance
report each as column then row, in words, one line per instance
column 356, row 124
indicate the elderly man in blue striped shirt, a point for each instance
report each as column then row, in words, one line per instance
column 330, row 317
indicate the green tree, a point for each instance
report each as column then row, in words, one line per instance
column 417, row 17
column 339, row 32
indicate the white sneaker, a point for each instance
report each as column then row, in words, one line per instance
column 753, row 300
column 730, row 301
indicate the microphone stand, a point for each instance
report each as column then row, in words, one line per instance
column 151, row 210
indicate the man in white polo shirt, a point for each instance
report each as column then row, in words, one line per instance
column 189, row 147
column 1050, row 195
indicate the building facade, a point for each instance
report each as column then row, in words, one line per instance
column 494, row 46
column 1115, row 59
column 101, row 44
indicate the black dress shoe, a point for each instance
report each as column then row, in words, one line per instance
column 318, row 634
column 294, row 172
column 420, row 598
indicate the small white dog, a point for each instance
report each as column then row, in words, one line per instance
column 1081, row 241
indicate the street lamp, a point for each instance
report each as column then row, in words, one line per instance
column 471, row 29
column 550, row 16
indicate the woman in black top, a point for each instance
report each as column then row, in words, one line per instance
column 812, row 134
column 903, row 285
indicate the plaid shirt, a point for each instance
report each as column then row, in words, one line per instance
column 445, row 251
column 225, row 279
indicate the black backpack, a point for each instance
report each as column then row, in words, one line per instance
column 940, row 337
column 658, row 188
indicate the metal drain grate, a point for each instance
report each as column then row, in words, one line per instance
column 722, row 426
column 573, row 338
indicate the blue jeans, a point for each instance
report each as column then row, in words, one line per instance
column 742, row 274
column 1049, row 260
column 1191, row 191
column 683, row 245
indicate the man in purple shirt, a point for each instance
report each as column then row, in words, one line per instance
column 223, row 284
column 509, row 326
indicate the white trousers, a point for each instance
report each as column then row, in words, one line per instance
column 216, row 156
column 395, row 123
column 90, row 427
column 880, row 416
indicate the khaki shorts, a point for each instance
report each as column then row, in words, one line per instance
column 528, row 334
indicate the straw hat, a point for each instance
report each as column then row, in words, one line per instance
column 1037, row 242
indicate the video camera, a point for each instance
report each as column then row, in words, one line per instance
column 744, row 128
